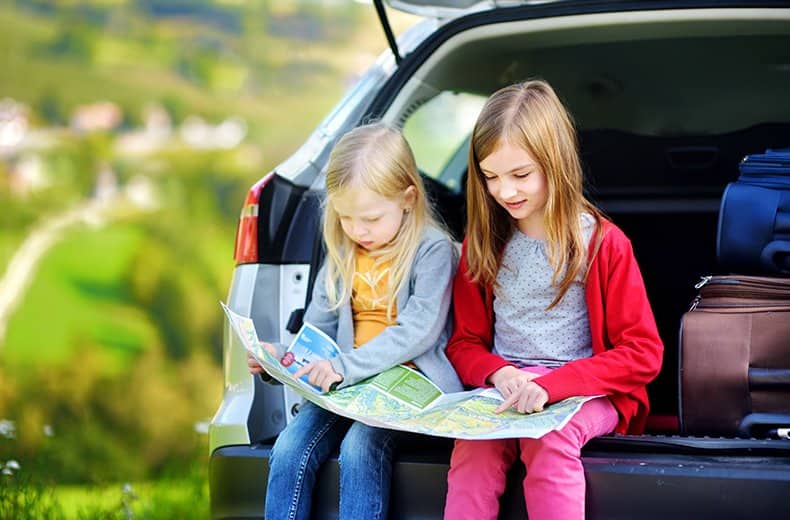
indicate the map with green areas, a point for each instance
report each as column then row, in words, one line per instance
column 402, row 398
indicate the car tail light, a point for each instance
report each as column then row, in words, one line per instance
column 246, row 250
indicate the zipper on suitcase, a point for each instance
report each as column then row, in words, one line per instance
column 695, row 302
column 703, row 280
column 745, row 309
column 732, row 291
column 699, row 285
column 773, row 297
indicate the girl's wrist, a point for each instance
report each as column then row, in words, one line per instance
column 501, row 373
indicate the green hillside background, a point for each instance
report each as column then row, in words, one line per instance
column 110, row 354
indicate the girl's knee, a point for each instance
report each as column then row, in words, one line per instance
column 363, row 442
column 286, row 447
column 597, row 417
column 296, row 439
column 359, row 437
column 482, row 457
column 556, row 447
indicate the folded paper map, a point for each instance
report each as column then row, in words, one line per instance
column 401, row 398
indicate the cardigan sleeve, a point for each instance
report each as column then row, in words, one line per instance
column 469, row 348
column 632, row 352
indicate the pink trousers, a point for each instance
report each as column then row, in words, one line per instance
column 554, row 487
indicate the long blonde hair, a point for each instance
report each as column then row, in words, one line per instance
column 377, row 157
column 531, row 116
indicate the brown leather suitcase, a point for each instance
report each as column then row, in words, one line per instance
column 735, row 358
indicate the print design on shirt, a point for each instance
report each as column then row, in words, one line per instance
column 372, row 279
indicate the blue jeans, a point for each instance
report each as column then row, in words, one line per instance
column 366, row 455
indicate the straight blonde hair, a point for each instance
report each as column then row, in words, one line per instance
column 531, row 116
column 376, row 157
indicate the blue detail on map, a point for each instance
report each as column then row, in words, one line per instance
column 308, row 346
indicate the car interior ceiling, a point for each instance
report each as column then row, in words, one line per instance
column 664, row 87
column 663, row 124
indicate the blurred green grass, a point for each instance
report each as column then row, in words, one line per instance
column 169, row 497
column 185, row 497
column 78, row 295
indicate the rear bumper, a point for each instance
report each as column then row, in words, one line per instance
column 237, row 481
column 619, row 485
column 238, row 475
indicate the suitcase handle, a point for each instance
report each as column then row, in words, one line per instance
column 769, row 379
column 776, row 256
column 766, row 424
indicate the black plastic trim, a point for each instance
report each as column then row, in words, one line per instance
column 686, row 445
column 295, row 321
column 385, row 24
column 317, row 255
column 304, row 229
column 276, row 207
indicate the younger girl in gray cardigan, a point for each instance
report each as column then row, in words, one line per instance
column 383, row 294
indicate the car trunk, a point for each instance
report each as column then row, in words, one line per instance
column 667, row 103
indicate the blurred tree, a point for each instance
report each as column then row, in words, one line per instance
column 51, row 108
column 132, row 116
column 72, row 41
column 176, row 107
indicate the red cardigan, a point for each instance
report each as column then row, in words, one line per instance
column 627, row 350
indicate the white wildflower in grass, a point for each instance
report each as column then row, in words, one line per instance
column 7, row 472
column 127, row 497
column 49, row 431
column 201, row 427
column 12, row 464
column 7, row 429
column 128, row 493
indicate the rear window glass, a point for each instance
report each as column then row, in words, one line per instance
column 438, row 131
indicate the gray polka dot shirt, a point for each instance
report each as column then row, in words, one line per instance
column 525, row 333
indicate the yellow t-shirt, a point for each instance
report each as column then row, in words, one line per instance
column 369, row 298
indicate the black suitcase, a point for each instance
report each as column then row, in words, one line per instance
column 754, row 217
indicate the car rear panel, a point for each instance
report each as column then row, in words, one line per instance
column 670, row 483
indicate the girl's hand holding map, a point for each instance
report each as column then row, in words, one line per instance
column 252, row 363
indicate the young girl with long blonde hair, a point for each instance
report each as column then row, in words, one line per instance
column 383, row 294
column 548, row 303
